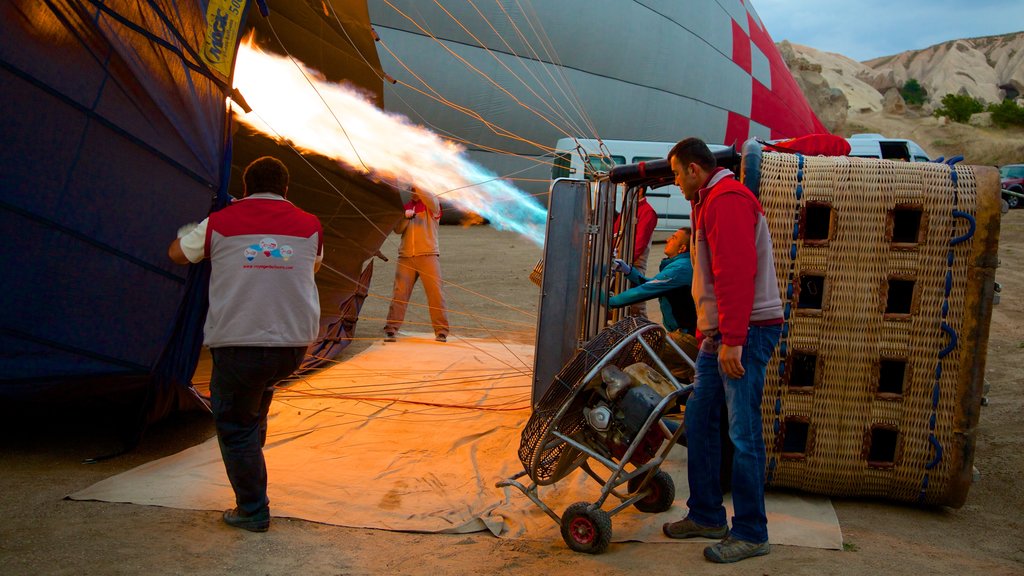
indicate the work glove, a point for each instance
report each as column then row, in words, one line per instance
column 619, row 266
column 187, row 228
column 410, row 213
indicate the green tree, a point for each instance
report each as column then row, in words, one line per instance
column 1006, row 113
column 959, row 107
column 913, row 93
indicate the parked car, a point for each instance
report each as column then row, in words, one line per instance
column 1011, row 177
column 878, row 146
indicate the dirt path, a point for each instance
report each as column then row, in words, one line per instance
column 41, row 451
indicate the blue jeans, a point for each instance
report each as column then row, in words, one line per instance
column 742, row 397
column 241, row 389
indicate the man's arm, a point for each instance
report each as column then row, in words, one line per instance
column 731, row 222
column 190, row 245
column 666, row 281
column 430, row 201
column 175, row 253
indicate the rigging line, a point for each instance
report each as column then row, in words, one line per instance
column 478, row 147
column 464, row 289
column 312, row 395
column 361, row 213
column 302, row 70
column 437, row 129
column 406, row 412
column 379, row 411
column 500, row 341
column 504, row 177
column 430, row 413
column 352, row 368
column 433, row 417
column 299, row 67
column 282, row 139
column 490, row 52
column 419, row 390
column 580, row 113
column 496, row 338
column 424, row 324
column 516, row 392
column 341, row 373
column 425, row 403
column 459, row 312
column 475, row 69
column 552, row 54
column 421, row 386
column 551, row 57
column 437, row 97
column 471, row 113
column 385, row 80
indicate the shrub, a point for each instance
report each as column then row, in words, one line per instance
column 913, row 93
column 1007, row 113
column 959, row 107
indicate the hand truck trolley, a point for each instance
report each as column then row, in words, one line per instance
column 607, row 404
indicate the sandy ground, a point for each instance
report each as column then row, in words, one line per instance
column 42, row 450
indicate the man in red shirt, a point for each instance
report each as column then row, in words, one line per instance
column 646, row 220
column 739, row 322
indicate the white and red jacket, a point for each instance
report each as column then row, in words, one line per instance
column 263, row 250
column 734, row 282
column 646, row 221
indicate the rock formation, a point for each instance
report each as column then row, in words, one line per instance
column 989, row 68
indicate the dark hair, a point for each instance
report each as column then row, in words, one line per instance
column 693, row 151
column 266, row 174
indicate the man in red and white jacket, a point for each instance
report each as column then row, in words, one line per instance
column 646, row 221
column 739, row 322
column 264, row 312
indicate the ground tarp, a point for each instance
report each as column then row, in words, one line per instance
column 412, row 436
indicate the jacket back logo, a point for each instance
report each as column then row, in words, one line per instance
column 270, row 249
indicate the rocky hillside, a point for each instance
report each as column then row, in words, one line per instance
column 851, row 96
column 990, row 68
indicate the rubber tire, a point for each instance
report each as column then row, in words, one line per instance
column 1012, row 201
column 663, row 492
column 585, row 530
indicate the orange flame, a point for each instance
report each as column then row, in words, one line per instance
column 295, row 103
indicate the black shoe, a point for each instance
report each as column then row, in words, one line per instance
column 259, row 522
column 390, row 337
column 441, row 338
column 733, row 550
column 687, row 528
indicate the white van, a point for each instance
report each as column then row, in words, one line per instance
column 672, row 208
column 878, row 146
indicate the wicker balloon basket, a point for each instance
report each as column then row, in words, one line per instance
column 887, row 274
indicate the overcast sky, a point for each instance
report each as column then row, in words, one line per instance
column 866, row 29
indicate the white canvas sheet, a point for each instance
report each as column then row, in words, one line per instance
column 413, row 436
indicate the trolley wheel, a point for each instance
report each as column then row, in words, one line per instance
column 661, row 492
column 585, row 530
